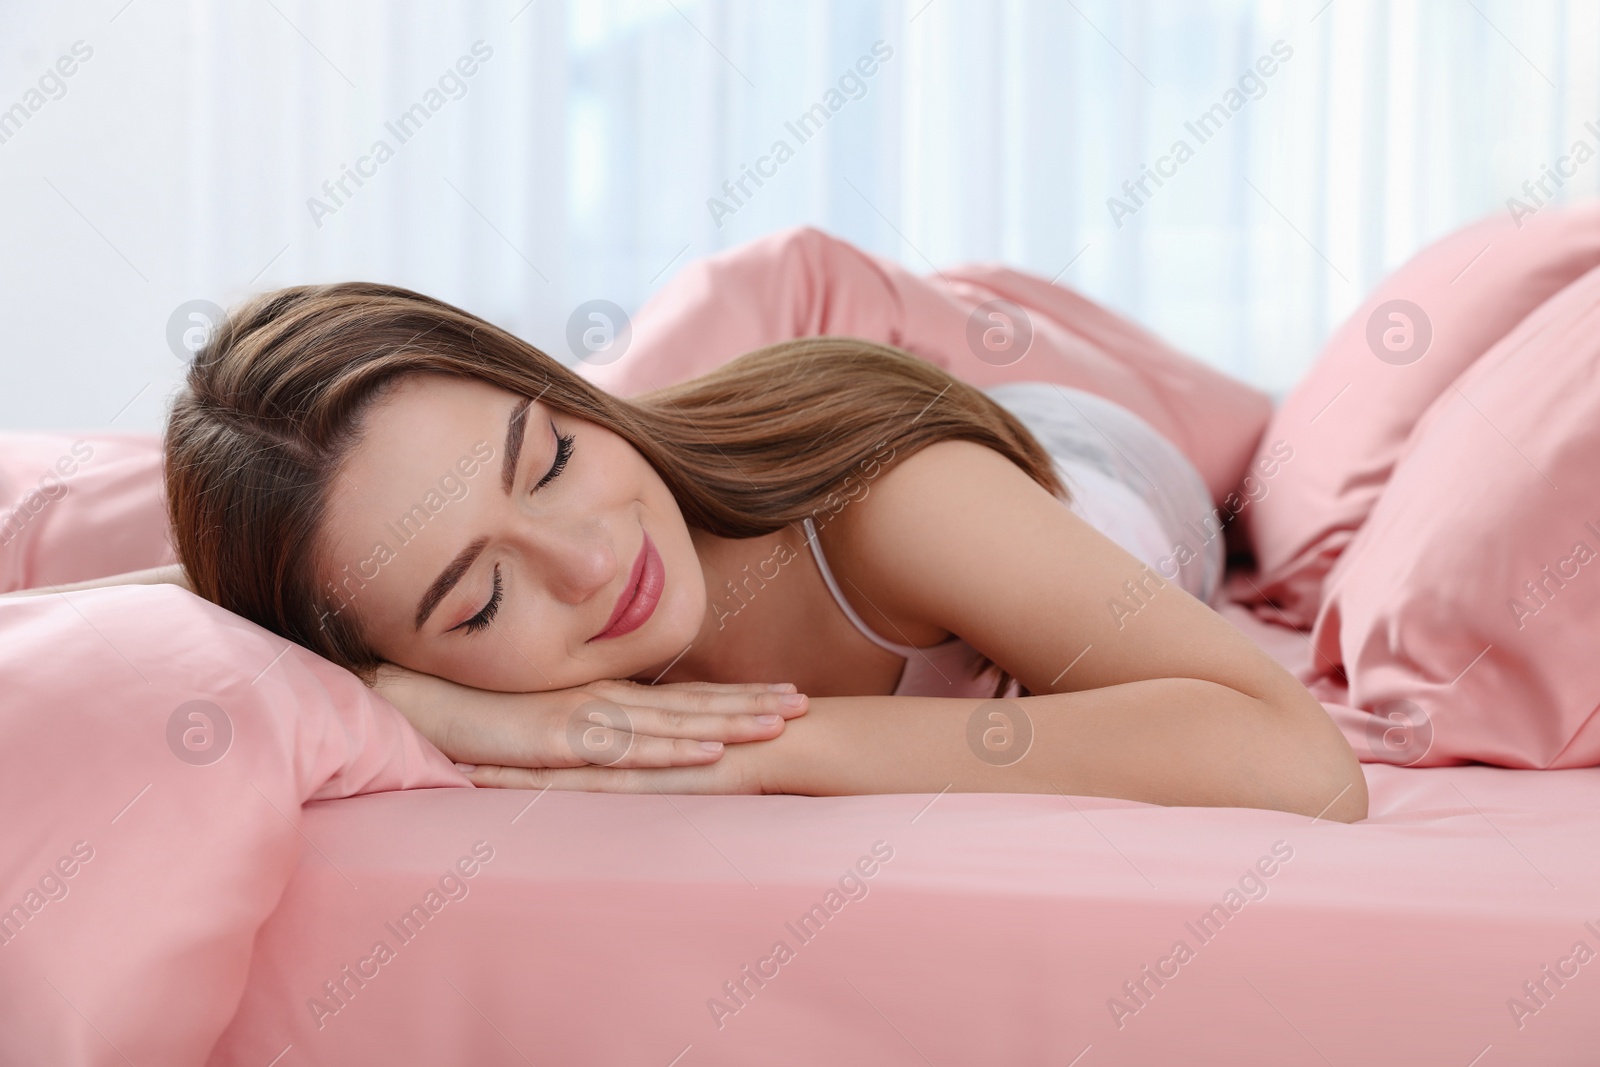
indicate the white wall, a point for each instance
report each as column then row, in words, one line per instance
column 579, row 162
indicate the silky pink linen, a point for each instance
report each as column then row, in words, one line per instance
column 135, row 880
column 1001, row 930
column 801, row 282
column 1469, row 601
column 79, row 506
column 1351, row 418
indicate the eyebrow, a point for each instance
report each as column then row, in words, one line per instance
column 516, row 430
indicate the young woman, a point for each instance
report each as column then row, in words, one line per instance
column 963, row 590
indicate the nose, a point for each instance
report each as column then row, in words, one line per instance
column 575, row 561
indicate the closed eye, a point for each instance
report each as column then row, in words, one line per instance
column 564, row 449
column 486, row 616
column 565, row 446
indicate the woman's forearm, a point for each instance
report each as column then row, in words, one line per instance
column 1163, row 741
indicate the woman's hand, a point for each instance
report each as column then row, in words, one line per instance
column 607, row 724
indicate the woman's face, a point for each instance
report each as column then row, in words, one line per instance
column 457, row 485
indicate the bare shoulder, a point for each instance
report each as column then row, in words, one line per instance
column 959, row 538
column 886, row 543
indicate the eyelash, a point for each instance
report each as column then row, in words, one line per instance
column 564, row 450
column 486, row 616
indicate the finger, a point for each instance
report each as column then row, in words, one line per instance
column 647, row 751
column 605, row 737
column 704, row 726
column 692, row 696
column 585, row 779
column 732, row 687
column 616, row 744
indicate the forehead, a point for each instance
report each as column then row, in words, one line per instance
column 435, row 397
column 430, row 441
column 421, row 423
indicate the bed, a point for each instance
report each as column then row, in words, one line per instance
column 270, row 868
column 1004, row 929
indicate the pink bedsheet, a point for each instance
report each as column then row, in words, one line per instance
column 1459, row 924
column 1003, row 930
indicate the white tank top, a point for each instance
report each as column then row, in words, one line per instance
column 1123, row 478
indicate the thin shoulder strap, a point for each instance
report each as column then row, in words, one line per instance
column 844, row 605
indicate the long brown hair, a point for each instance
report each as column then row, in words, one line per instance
column 274, row 402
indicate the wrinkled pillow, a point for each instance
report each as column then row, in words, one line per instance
column 159, row 750
column 1465, row 610
column 1348, row 421
column 79, row 506
column 801, row 282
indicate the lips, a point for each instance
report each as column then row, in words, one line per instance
column 639, row 597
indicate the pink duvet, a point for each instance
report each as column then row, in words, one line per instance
column 315, row 895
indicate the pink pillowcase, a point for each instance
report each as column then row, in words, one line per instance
column 1349, row 420
column 161, row 749
column 1465, row 609
column 801, row 282
column 75, row 507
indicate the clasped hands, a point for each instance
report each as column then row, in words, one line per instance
column 608, row 736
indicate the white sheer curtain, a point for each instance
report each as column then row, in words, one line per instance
column 1001, row 130
column 585, row 156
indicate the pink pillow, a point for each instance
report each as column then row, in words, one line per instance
column 801, row 282
column 160, row 750
column 79, row 506
column 1465, row 609
column 1349, row 420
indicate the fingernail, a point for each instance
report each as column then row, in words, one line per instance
column 466, row 768
column 768, row 720
column 793, row 701
column 781, row 687
column 711, row 746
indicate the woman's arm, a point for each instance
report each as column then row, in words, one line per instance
column 1163, row 741
column 171, row 574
